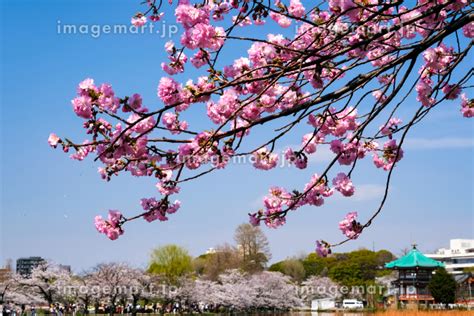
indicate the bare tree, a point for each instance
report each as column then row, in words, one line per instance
column 253, row 247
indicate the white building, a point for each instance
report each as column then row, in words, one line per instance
column 210, row 251
column 323, row 304
column 459, row 256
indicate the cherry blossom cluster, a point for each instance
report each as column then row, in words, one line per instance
column 391, row 127
column 199, row 33
column 350, row 226
column 321, row 74
column 315, row 191
column 323, row 249
column 111, row 227
column 158, row 209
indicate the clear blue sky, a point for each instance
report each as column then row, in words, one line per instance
column 48, row 201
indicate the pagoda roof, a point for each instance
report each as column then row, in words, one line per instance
column 414, row 259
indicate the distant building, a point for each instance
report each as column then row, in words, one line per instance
column 465, row 288
column 414, row 273
column 323, row 304
column 458, row 257
column 65, row 268
column 210, row 251
column 24, row 266
column 6, row 272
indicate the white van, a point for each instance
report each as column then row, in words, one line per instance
column 352, row 304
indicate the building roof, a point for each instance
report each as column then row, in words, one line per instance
column 414, row 259
column 461, row 278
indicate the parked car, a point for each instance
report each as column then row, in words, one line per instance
column 352, row 304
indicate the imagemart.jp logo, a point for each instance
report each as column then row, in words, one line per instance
column 161, row 29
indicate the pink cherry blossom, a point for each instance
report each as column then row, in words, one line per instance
column 141, row 124
column 335, row 123
column 274, row 222
column 298, row 159
column 135, row 102
column 157, row 210
column 82, row 106
column 322, row 248
column 83, row 151
column 139, row 20
column 219, row 11
column 114, row 217
column 452, row 91
column 316, row 190
column 379, row 96
column 188, row 15
column 296, row 8
column 167, row 187
column 171, row 122
column 241, row 21
column 390, row 127
column 349, row 226
column 156, row 17
column 111, row 227
column 438, row 58
column 274, row 202
column 254, row 220
column 424, row 90
column 173, row 208
column 107, row 99
column 53, row 140
column 264, row 159
column 86, row 86
column 169, row 91
column 391, row 154
column 468, row 30
column 343, row 184
column 467, row 106
column 228, row 103
column 348, row 152
column 200, row 58
column 310, row 142
column 282, row 20
column 203, row 36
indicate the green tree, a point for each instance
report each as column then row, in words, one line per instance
column 199, row 264
column 384, row 256
column 170, row 262
column 346, row 273
column 291, row 267
column 276, row 267
column 359, row 267
column 367, row 263
column 316, row 265
column 442, row 287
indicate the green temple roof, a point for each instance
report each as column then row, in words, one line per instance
column 414, row 259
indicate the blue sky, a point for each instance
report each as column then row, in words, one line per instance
column 48, row 201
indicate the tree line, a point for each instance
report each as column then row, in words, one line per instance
column 227, row 278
